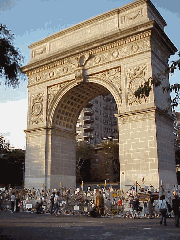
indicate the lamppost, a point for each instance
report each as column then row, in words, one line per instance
column 23, row 169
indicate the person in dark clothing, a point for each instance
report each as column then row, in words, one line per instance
column 17, row 202
column 51, row 204
column 38, row 208
column 163, row 209
column 175, row 207
column 151, row 207
column 135, row 206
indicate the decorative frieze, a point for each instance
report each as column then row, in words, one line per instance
column 37, row 108
column 134, row 45
column 95, row 57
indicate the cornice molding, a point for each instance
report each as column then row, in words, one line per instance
column 155, row 109
column 37, row 129
column 130, row 113
column 48, row 129
column 75, row 27
column 97, row 19
column 160, row 34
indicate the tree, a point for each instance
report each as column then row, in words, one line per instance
column 12, row 164
column 157, row 80
column 4, row 145
column 84, row 153
column 110, row 151
column 10, row 59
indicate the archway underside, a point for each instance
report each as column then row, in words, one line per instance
column 73, row 102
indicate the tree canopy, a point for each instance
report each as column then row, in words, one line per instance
column 4, row 145
column 10, row 59
column 111, row 151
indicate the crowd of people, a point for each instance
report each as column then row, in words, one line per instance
column 99, row 202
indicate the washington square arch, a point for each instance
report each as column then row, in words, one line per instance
column 115, row 53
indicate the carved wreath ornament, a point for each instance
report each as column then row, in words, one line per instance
column 37, row 108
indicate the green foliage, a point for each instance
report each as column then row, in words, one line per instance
column 84, row 152
column 16, row 156
column 13, row 156
column 12, row 164
column 110, row 151
column 10, row 59
column 156, row 81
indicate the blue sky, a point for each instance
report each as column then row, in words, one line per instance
column 33, row 20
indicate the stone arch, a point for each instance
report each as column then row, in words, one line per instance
column 66, row 107
column 110, row 52
column 104, row 84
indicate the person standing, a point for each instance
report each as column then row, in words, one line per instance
column 51, row 203
column 136, row 206
column 151, row 201
column 12, row 202
column 163, row 209
column 99, row 202
column 56, row 204
column 17, row 202
column 175, row 207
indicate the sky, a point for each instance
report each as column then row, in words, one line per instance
column 33, row 20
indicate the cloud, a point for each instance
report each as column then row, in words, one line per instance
column 13, row 122
column 8, row 4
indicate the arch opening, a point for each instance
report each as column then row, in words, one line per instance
column 63, row 145
column 72, row 103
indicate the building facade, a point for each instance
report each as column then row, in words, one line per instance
column 97, row 120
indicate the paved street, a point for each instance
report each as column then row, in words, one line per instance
column 32, row 226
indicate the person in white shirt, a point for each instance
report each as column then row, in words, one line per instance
column 12, row 202
column 163, row 209
column 56, row 204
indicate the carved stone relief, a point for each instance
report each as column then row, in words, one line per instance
column 39, row 51
column 37, row 108
column 132, row 16
column 135, row 77
column 52, row 91
column 113, row 76
column 79, row 63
